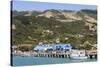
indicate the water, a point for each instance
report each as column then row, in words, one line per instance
column 23, row 61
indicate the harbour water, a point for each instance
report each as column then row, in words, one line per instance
column 23, row 61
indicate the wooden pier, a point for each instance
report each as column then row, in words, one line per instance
column 53, row 55
column 89, row 54
column 63, row 55
column 92, row 55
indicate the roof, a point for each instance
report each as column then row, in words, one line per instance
column 91, row 51
column 42, row 47
column 52, row 46
column 64, row 46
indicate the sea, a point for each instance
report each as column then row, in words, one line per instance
column 29, row 60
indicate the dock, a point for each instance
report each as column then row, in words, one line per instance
column 53, row 55
column 63, row 55
column 92, row 54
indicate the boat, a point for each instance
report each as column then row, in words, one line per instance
column 79, row 58
column 78, row 54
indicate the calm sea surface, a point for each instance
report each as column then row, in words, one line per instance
column 22, row 61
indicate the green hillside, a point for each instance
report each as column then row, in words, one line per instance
column 32, row 30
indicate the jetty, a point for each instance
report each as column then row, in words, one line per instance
column 53, row 55
column 56, row 51
column 92, row 54
column 63, row 55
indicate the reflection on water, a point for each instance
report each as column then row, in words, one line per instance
column 22, row 61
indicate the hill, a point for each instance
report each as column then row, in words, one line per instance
column 79, row 28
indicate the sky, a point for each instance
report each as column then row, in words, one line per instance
column 40, row 6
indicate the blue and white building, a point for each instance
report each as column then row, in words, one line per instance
column 53, row 47
column 43, row 47
column 62, row 47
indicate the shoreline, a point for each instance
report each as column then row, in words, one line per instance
column 52, row 54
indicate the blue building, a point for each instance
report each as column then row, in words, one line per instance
column 43, row 47
column 62, row 47
column 53, row 47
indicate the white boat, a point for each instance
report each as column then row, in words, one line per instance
column 79, row 58
column 78, row 54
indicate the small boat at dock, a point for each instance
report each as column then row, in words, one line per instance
column 79, row 57
column 78, row 54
